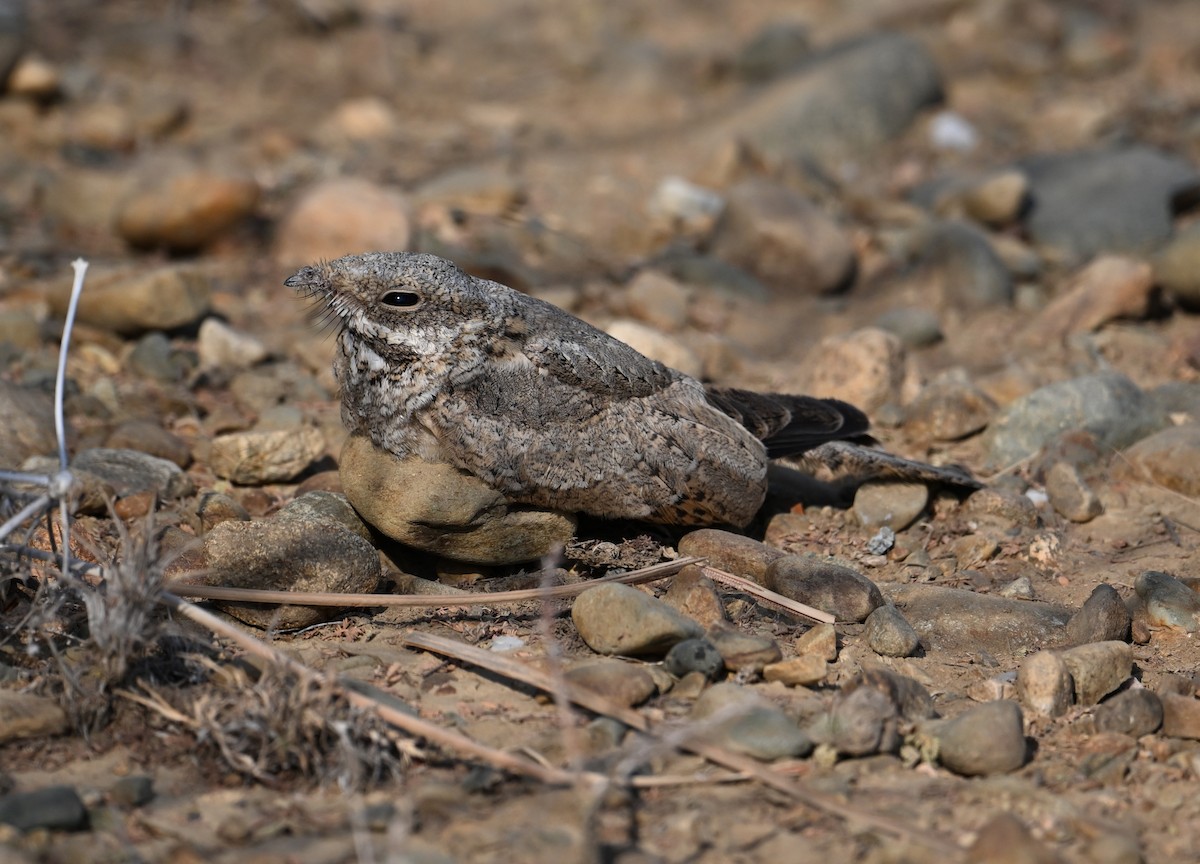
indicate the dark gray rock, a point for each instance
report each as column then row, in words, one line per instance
column 128, row 471
column 1118, row 200
column 958, row 620
column 1108, row 405
column 55, row 808
column 778, row 47
column 915, row 326
column 740, row 720
column 840, row 591
column 14, row 35
column 959, row 260
column 695, row 655
column 986, row 739
column 1134, row 712
column 1102, row 618
column 846, row 101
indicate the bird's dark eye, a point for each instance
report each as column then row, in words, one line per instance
column 401, row 299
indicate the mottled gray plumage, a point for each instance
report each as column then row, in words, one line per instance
column 543, row 407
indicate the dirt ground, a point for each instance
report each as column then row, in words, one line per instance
column 527, row 141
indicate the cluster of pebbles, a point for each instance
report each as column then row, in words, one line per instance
column 974, row 221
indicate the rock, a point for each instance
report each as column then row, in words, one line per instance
column 185, row 211
column 155, row 358
column 27, row 424
column 346, row 216
column 742, row 721
column 255, row 458
column 1170, row 458
column 485, row 190
column 320, row 506
column 623, row 683
column 24, row 715
column 222, row 347
column 437, row 508
column 657, row 346
column 132, row 791
column 1109, row 288
column 912, row 700
column 1044, row 684
column 1108, row 405
column 745, row 651
column 1098, row 669
column 685, row 208
column 959, row 265
column 712, row 274
column 888, row 77
column 914, row 326
column 806, row 670
column 696, row 596
column 53, row 808
column 135, row 301
column 863, row 721
column 1020, row 588
column 658, row 300
column 733, row 553
column 1002, row 507
column 619, row 619
column 953, row 619
column 288, row 555
column 14, row 37
column 997, row 200
column 33, row 77
column 1181, row 717
column 147, row 436
column 889, row 634
column 1102, row 618
column 1179, row 397
column 1070, row 495
column 778, row 47
column 784, row 239
column 99, row 128
column 368, row 118
column 1177, row 267
column 896, row 505
column 695, row 655
column 129, row 472
column 820, row 641
column 1004, row 839
column 948, row 408
column 213, row 508
column 1134, row 712
column 1115, row 200
column 949, row 130
column 840, row 591
column 1168, row 602
column 865, row 368
column 986, row 739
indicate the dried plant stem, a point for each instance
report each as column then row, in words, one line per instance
column 415, row 726
column 476, row 598
column 768, row 596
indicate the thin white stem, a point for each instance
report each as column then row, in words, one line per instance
column 80, row 267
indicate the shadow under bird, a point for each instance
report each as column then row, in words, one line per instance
column 437, row 364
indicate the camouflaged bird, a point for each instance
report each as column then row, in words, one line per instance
column 544, row 408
